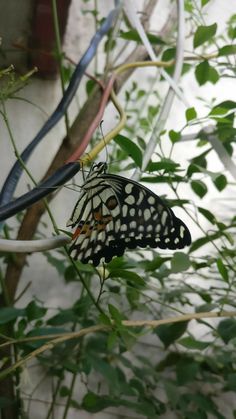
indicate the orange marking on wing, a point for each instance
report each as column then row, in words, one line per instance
column 76, row 233
column 103, row 222
column 97, row 215
column 101, row 227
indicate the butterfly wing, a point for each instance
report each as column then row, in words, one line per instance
column 119, row 213
column 94, row 217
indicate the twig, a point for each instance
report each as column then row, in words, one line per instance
column 101, row 328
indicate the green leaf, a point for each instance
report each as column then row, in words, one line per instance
column 227, row 50
column 232, row 32
column 186, row 371
column 33, row 311
column 64, row 391
column 207, row 214
column 204, row 34
column 218, row 111
column 199, row 188
column 109, row 45
column 204, row 240
column 227, row 329
column 89, row 86
column 130, row 148
column 222, row 269
column 117, row 263
column 226, row 104
column 133, row 35
column 204, row 72
column 169, row 54
column 165, row 164
column 128, row 276
column 133, row 296
column 169, row 333
column 163, row 179
column 115, row 314
column 191, row 343
column 188, row 6
column 107, row 371
column 174, row 136
column 154, row 264
column 94, row 403
column 180, row 262
column 71, row 274
column 64, row 316
column 8, row 314
column 206, row 307
column 204, row 2
column 112, row 340
column 172, row 393
column 104, row 319
column 220, row 182
column 230, row 382
column 190, row 114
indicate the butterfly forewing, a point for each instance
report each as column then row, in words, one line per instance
column 115, row 213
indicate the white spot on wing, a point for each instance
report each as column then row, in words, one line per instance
column 128, row 188
column 147, row 214
column 182, row 231
column 132, row 224
column 132, row 212
column 87, row 253
column 140, row 198
column 84, row 243
column 151, row 200
column 158, row 228
column 115, row 212
column 124, row 210
column 130, row 200
column 164, row 217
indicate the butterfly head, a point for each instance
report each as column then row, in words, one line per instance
column 99, row 168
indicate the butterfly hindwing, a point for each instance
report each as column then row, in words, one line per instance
column 115, row 213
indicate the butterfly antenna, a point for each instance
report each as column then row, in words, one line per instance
column 105, row 146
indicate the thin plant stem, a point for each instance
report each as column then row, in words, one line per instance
column 54, row 396
column 59, row 56
column 85, row 284
column 72, row 385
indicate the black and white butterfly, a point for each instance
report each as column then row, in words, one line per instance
column 114, row 213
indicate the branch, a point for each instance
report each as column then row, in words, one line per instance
column 101, row 328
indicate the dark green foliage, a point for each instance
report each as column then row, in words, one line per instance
column 204, row 34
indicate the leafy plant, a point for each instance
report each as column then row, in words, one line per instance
column 179, row 356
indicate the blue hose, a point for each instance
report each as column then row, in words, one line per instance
column 16, row 171
column 46, row 187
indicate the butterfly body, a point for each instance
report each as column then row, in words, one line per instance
column 114, row 213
